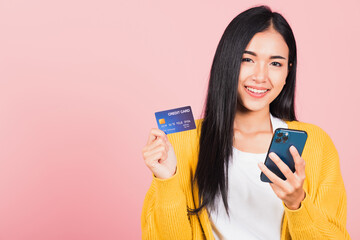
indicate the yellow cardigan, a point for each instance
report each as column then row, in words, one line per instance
column 322, row 214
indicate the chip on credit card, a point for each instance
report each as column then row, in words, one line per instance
column 175, row 120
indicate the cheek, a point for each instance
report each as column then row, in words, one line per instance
column 245, row 72
column 278, row 78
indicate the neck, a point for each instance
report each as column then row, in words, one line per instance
column 249, row 122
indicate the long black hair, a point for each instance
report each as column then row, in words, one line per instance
column 216, row 140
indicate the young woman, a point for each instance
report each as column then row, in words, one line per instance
column 206, row 183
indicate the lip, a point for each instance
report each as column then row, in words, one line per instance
column 258, row 88
column 256, row 95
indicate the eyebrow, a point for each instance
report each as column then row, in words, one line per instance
column 272, row 57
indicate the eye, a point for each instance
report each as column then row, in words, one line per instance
column 276, row 64
column 246, row 60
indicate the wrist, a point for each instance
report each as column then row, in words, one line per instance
column 293, row 206
column 297, row 204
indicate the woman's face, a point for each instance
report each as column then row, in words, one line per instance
column 264, row 68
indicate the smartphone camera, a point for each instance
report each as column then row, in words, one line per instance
column 281, row 137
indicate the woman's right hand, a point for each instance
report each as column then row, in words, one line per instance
column 159, row 155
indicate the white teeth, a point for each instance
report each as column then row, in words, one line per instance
column 255, row 90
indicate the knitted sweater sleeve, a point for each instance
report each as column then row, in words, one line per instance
column 322, row 214
column 164, row 214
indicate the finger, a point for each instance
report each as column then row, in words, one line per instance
column 154, row 133
column 282, row 166
column 280, row 193
column 158, row 142
column 147, row 148
column 272, row 176
column 155, row 151
column 277, row 190
column 299, row 162
column 274, row 187
column 167, row 139
column 157, row 168
column 155, row 159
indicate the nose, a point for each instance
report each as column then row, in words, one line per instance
column 261, row 73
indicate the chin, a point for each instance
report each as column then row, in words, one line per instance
column 255, row 107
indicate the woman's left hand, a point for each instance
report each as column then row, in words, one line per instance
column 290, row 191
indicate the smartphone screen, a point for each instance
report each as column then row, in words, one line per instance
column 282, row 140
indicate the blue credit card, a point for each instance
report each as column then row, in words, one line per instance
column 175, row 120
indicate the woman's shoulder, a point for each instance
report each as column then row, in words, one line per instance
column 314, row 131
column 300, row 125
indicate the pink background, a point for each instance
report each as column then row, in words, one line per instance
column 80, row 82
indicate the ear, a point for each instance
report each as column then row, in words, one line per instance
column 289, row 67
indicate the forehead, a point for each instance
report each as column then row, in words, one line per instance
column 268, row 43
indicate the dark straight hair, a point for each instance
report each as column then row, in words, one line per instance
column 216, row 140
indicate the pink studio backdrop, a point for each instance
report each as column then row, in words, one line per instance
column 80, row 82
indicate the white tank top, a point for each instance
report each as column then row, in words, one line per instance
column 254, row 209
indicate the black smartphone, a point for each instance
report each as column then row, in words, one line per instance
column 282, row 140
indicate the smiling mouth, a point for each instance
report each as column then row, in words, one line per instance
column 257, row 91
